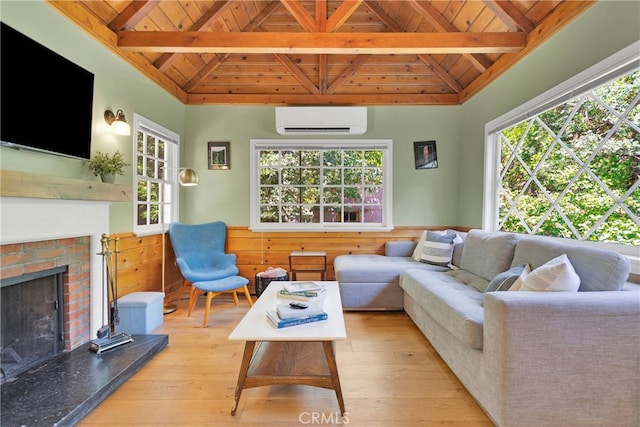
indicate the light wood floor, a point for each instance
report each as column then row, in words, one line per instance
column 390, row 376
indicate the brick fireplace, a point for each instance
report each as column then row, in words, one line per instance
column 47, row 221
column 38, row 234
column 19, row 259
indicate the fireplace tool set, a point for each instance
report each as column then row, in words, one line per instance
column 107, row 338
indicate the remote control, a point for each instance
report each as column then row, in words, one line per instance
column 299, row 305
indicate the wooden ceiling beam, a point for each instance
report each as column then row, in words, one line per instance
column 204, row 72
column 219, row 59
column 318, row 43
column 347, row 73
column 356, row 99
column 297, row 73
column 207, row 18
column 321, row 16
column 300, row 14
column 383, row 16
column 441, row 72
column 344, row 11
column 323, row 69
column 429, row 61
column 323, row 59
column 558, row 19
column 426, row 9
column 132, row 14
column 510, row 15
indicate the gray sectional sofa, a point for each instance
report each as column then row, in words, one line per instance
column 528, row 358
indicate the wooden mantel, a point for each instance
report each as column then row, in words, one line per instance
column 24, row 184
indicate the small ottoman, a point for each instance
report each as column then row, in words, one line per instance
column 140, row 312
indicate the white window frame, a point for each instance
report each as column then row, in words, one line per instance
column 386, row 145
column 618, row 64
column 169, row 189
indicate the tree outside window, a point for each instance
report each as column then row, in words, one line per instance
column 573, row 171
column 341, row 186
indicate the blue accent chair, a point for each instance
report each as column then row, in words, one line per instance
column 201, row 258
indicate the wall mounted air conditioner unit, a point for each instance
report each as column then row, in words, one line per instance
column 321, row 120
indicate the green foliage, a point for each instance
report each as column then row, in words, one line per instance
column 573, row 170
column 105, row 163
column 296, row 184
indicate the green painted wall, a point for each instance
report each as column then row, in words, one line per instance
column 420, row 196
column 117, row 85
column 448, row 195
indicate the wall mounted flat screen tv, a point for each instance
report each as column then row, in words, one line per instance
column 46, row 100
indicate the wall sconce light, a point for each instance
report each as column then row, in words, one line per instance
column 117, row 122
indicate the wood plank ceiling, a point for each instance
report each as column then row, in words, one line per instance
column 325, row 52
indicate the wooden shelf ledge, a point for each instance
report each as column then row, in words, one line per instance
column 24, row 184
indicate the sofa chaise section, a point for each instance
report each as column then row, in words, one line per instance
column 370, row 282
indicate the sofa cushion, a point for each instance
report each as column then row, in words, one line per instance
column 375, row 268
column 456, row 306
column 598, row 269
column 556, row 275
column 437, row 248
column 508, row 279
column 486, row 254
column 458, row 242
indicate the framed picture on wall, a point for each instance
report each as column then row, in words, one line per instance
column 426, row 156
column 219, row 155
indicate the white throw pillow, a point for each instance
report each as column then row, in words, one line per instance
column 417, row 252
column 556, row 275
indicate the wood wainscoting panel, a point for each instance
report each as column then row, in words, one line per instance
column 140, row 257
column 140, row 265
column 256, row 251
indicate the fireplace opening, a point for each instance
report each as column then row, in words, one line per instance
column 32, row 320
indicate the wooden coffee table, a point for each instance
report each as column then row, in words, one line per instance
column 303, row 354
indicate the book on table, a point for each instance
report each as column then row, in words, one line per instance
column 306, row 296
column 291, row 310
column 310, row 287
column 276, row 321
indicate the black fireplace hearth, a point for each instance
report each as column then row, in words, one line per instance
column 66, row 388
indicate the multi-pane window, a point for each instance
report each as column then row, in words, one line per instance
column 320, row 185
column 573, row 170
column 156, row 159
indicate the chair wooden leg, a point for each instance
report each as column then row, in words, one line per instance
column 207, row 307
column 245, row 288
column 235, row 297
column 185, row 285
column 192, row 299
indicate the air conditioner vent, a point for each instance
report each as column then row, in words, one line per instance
column 319, row 130
column 321, row 120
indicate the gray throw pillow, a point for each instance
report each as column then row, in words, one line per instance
column 505, row 280
column 437, row 248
